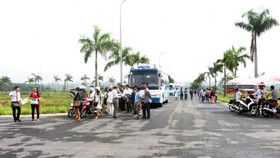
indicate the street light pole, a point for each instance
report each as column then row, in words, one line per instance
column 159, row 57
column 121, row 40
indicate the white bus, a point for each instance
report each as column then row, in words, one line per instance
column 157, row 80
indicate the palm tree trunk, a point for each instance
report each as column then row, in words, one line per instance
column 96, row 73
column 225, row 82
column 209, row 81
column 256, row 58
column 235, row 72
column 215, row 81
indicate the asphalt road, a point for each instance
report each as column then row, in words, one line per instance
column 178, row 129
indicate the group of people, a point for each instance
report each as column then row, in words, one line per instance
column 208, row 95
column 16, row 103
column 116, row 98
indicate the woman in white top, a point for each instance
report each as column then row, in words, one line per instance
column 98, row 102
column 110, row 107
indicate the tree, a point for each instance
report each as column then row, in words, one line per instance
column 227, row 63
column 68, row 78
column 100, row 78
column 29, row 81
column 84, row 79
column 257, row 24
column 217, row 67
column 115, row 57
column 138, row 59
column 210, row 74
column 56, row 79
column 111, row 80
column 101, row 43
column 171, row 80
column 5, row 80
column 238, row 58
column 37, row 78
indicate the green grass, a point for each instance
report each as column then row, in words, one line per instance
column 51, row 102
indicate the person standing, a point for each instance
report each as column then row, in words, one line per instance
column 202, row 95
column 105, row 99
column 35, row 97
column 181, row 93
column 186, row 93
column 110, row 107
column 148, row 101
column 137, row 104
column 212, row 96
column 132, row 100
column 15, row 103
column 121, row 100
column 273, row 94
column 176, row 93
column 116, row 98
column 216, row 95
column 191, row 93
column 127, row 94
column 98, row 102
column 77, row 103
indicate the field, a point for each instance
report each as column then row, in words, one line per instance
column 51, row 102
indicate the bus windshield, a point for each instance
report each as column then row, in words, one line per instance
column 137, row 79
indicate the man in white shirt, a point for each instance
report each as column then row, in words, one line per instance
column 238, row 95
column 127, row 93
column 15, row 98
column 116, row 98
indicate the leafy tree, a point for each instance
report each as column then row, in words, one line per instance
column 257, row 24
column 37, row 78
column 238, row 58
column 68, row 78
column 5, row 80
column 29, row 81
column 101, row 43
column 217, row 67
column 115, row 57
column 138, row 59
column 227, row 63
column 171, row 80
column 56, row 79
column 100, row 78
column 84, row 79
column 111, row 80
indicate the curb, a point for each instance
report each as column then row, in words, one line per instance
column 41, row 115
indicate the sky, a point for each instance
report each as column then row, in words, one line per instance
column 41, row 36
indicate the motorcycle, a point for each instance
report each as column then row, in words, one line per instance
column 249, row 105
column 232, row 105
column 71, row 110
column 269, row 108
column 86, row 107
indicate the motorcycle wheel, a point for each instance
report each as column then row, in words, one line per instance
column 238, row 110
column 254, row 110
column 70, row 113
column 83, row 113
column 230, row 107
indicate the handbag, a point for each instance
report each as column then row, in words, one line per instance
column 34, row 101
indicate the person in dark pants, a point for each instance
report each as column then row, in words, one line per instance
column 15, row 95
column 132, row 100
column 121, row 100
column 35, row 102
column 191, row 93
column 186, row 93
column 147, row 101
column 181, row 94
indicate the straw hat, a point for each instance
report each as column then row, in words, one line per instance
column 97, row 88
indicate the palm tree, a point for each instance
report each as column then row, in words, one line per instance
column 115, row 58
column 111, row 80
column 227, row 63
column 56, row 79
column 239, row 58
column 84, row 79
column 217, row 67
column 29, row 81
column 257, row 24
column 101, row 43
column 37, row 78
column 138, row 59
column 100, row 78
column 5, row 80
column 68, row 78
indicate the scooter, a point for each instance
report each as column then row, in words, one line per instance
column 86, row 109
column 232, row 105
column 269, row 108
column 250, row 105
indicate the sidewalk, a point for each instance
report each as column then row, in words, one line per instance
column 41, row 115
